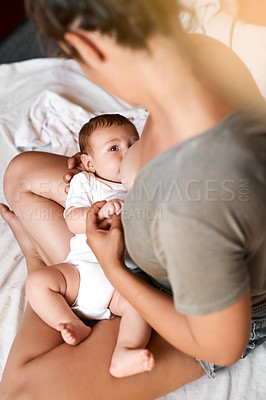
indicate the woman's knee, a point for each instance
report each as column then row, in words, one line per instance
column 15, row 176
column 37, row 173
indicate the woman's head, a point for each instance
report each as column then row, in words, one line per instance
column 124, row 46
column 129, row 22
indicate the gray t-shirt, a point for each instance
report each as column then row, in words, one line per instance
column 196, row 216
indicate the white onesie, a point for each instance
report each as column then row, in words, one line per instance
column 95, row 290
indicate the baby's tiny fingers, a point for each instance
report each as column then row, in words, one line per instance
column 118, row 206
column 111, row 209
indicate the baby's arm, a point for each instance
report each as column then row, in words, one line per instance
column 76, row 216
column 79, row 200
column 76, row 219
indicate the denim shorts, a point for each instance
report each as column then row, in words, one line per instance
column 257, row 336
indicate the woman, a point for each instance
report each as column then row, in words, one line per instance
column 193, row 88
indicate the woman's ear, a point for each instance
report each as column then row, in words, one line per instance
column 88, row 163
column 87, row 45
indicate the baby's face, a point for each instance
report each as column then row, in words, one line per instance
column 109, row 148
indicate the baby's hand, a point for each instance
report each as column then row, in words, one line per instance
column 110, row 208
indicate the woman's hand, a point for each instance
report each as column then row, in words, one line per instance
column 107, row 244
column 75, row 166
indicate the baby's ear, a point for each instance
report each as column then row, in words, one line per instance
column 87, row 162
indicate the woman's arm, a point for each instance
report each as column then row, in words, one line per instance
column 220, row 337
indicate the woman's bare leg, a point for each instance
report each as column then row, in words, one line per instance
column 51, row 289
column 41, row 367
column 34, row 261
column 35, row 191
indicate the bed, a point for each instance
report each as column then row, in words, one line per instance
column 43, row 103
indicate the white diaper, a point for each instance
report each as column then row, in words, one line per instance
column 95, row 291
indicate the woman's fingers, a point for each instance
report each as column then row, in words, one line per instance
column 75, row 166
column 105, row 224
column 107, row 244
column 116, row 222
column 74, row 161
column 67, row 177
column 92, row 215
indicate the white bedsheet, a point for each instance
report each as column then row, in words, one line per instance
column 51, row 92
column 54, row 120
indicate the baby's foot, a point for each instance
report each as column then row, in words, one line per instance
column 130, row 362
column 20, row 233
column 74, row 332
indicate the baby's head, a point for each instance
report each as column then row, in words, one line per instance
column 104, row 141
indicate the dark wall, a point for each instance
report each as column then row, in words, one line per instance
column 11, row 15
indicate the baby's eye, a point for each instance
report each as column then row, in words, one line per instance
column 113, row 148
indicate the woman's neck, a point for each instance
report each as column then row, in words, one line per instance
column 190, row 92
column 180, row 103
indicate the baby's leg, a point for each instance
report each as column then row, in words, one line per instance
column 130, row 355
column 50, row 290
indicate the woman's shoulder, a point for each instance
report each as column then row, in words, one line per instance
column 224, row 70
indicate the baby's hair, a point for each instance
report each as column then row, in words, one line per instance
column 101, row 121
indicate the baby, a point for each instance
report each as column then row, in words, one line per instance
column 62, row 293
